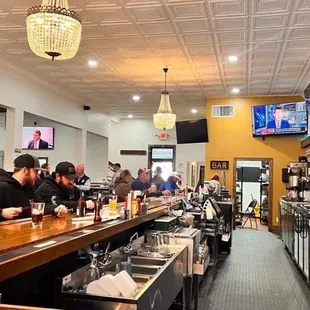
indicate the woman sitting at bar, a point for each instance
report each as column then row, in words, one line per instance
column 122, row 185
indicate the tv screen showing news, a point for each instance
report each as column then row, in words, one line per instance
column 38, row 138
column 192, row 131
column 280, row 119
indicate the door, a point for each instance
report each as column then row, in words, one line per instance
column 162, row 156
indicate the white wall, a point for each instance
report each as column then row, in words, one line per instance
column 96, row 166
column 19, row 93
column 138, row 135
column 64, row 141
column 2, row 130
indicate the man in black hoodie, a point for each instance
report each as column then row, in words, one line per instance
column 58, row 190
column 16, row 191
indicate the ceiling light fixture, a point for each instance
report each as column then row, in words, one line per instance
column 54, row 30
column 136, row 98
column 194, row 111
column 92, row 63
column 164, row 118
column 130, row 116
column 233, row 58
column 235, row 91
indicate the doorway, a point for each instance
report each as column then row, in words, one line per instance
column 252, row 179
column 162, row 156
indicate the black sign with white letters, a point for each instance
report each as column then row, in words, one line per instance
column 219, row 165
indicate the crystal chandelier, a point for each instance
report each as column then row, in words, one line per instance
column 164, row 118
column 53, row 30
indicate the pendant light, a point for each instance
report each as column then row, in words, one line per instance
column 53, row 30
column 164, row 118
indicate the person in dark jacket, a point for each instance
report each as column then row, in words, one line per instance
column 83, row 181
column 16, row 191
column 157, row 179
column 143, row 181
column 58, row 190
column 171, row 184
column 45, row 171
column 142, row 184
column 122, row 185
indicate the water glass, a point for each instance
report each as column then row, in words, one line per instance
column 37, row 212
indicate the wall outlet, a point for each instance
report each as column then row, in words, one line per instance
column 277, row 219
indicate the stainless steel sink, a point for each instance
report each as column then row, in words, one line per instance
column 151, row 276
column 138, row 260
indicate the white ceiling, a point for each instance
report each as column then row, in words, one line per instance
column 134, row 39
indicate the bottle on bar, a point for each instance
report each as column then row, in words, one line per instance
column 81, row 208
column 98, row 207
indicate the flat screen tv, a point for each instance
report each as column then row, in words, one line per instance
column 38, row 138
column 280, row 119
column 192, row 131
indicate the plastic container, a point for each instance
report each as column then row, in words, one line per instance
column 125, row 284
column 108, row 284
column 94, row 288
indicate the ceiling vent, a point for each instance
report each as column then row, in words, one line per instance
column 223, row 111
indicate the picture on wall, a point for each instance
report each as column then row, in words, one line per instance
column 38, row 138
column 43, row 160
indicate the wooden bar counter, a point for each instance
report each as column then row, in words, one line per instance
column 23, row 248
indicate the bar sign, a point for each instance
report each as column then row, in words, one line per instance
column 219, row 165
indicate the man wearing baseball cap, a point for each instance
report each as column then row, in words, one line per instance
column 16, row 191
column 142, row 184
column 58, row 190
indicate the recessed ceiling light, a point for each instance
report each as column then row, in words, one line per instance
column 136, row 98
column 233, row 58
column 93, row 63
column 130, row 116
column 194, row 111
column 235, row 91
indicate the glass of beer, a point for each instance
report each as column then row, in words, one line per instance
column 113, row 203
column 37, row 212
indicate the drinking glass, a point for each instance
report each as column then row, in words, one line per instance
column 37, row 212
column 113, row 203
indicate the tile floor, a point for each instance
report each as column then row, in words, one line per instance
column 257, row 275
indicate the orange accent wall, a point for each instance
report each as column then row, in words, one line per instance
column 232, row 137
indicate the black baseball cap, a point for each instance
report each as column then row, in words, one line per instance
column 66, row 169
column 27, row 161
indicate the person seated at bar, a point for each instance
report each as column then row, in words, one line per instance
column 122, row 185
column 82, row 182
column 17, row 191
column 171, row 184
column 58, row 190
column 142, row 184
column 45, row 171
column 157, row 178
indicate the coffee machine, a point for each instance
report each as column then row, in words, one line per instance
column 294, row 175
column 299, row 180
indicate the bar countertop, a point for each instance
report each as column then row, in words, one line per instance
column 23, row 248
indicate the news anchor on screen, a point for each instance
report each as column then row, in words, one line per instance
column 37, row 142
column 278, row 122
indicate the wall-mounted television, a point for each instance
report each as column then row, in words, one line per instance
column 192, row 131
column 280, row 119
column 38, row 138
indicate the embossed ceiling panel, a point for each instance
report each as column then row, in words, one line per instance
column 132, row 40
